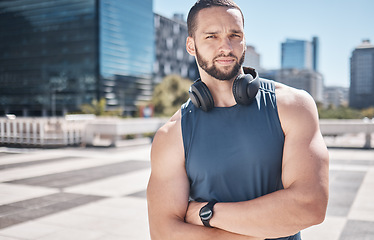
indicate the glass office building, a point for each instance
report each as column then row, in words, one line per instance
column 300, row 67
column 57, row 55
column 362, row 76
column 300, row 54
column 126, row 51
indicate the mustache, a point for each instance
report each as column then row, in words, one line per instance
column 225, row 55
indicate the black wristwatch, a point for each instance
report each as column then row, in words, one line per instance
column 206, row 213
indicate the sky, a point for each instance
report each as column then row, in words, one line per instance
column 340, row 25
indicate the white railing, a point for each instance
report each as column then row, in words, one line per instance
column 41, row 132
column 88, row 130
column 73, row 130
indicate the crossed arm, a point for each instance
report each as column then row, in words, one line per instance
column 168, row 191
column 302, row 202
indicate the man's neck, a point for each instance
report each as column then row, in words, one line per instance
column 221, row 90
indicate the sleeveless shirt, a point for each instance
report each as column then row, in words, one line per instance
column 234, row 154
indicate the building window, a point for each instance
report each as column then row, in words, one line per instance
column 364, row 74
column 169, row 43
column 176, row 29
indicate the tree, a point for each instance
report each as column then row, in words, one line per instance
column 170, row 94
column 99, row 109
column 341, row 112
column 96, row 107
column 368, row 112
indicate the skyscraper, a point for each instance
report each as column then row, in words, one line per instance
column 252, row 58
column 300, row 54
column 57, row 55
column 305, row 79
column 171, row 54
column 315, row 45
column 300, row 67
column 362, row 76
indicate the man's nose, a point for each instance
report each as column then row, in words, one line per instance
column 226, row 45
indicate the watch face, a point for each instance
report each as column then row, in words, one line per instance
column 206, row 213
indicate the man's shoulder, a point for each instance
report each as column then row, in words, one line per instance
column 290, row 96
column 295, row 107
column 172, row 129
column 186, row 107
column 167, row 143
column 171, row 126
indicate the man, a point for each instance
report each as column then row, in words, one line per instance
column 262, row 165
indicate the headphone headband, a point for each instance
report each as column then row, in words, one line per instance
column 245, row 88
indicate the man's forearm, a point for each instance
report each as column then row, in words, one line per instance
column 274, row 215
column 177, row 229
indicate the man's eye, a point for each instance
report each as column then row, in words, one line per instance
column 210, row 37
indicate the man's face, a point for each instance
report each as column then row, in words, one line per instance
column 219, row 44
column 214, row 70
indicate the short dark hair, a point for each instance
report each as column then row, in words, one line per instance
column 202, row 4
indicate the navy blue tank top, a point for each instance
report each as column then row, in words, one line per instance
column 234, row 154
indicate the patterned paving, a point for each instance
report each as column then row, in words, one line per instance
column 344, row 186
column 24, row 164
column 81, row 176
column 355, row 229
column 60, row 190
column 100, row 194
column 350, row 213
column 27, row 210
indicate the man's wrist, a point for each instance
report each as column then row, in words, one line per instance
column 213, row 221
column 206, row 213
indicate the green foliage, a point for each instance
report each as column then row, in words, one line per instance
column 96, row 107
column 170, row 94
column 368, row 112
column 99, row 108
column 341, row 112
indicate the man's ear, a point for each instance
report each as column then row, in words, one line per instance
column 190, row 46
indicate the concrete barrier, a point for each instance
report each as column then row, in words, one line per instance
column 339, row 127
column 88, row 130
column 110, row 132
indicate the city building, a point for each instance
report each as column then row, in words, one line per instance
column 335, row 96
column 299, row 67
column 315, row 44
column 57, row 55
column 300, row 54
column 305, row 79
column 361, row 94
column 270, row 74
column 171, row 54
column 252, row 58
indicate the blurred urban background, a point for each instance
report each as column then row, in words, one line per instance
column 70, row 56
column 108, row 73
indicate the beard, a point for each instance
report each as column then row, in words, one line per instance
column 213, row 70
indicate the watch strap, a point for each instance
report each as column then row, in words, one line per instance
column 210, row 206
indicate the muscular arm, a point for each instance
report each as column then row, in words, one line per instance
column 168, row 191
column 302, row 202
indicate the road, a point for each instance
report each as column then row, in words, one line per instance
column 99, row 193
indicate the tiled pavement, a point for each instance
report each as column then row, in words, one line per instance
column 99, row 194
column 74, row 193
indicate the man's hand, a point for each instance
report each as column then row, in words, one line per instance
column 192, row 217
column 192, row 214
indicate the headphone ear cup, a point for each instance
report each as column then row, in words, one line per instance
column 200, row 96
column 252, row 88
column 239, row 89
column 245, row 89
